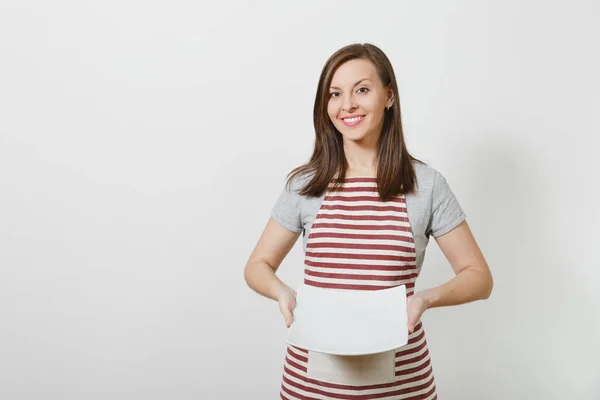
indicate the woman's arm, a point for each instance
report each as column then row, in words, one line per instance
column 273, row 245
column 473, row 280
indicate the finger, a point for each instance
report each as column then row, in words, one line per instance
column 288, row 318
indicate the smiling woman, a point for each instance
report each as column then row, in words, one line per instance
column 366, row 95
column 366, row 209
column 358, row 127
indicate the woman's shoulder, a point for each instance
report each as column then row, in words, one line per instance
column 431, row 183
column 300, row 180
column 435, row 198
column 425, row 175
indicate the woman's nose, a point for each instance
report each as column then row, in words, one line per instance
column 348, row 103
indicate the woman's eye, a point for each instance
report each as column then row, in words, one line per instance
column 364, row 90
column 333, row 94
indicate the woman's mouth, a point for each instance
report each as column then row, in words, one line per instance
column 353, row 121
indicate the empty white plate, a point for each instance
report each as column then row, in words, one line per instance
column 349, row 322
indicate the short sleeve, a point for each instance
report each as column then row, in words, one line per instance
column 286, row 211
column 446, row 212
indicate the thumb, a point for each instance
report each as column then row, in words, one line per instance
column 288, row 318
column 410, row 324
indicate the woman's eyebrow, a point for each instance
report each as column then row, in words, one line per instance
column 357, row 82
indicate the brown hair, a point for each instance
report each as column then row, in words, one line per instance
column 395, row 172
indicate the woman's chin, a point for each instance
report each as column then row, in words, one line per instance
column 354, row 136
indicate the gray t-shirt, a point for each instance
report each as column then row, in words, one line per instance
column 432, row 209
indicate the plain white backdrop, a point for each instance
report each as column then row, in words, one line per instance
column 143, row 144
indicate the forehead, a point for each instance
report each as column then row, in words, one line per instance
column 351, row 71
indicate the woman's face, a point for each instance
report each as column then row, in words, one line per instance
column 357, row 100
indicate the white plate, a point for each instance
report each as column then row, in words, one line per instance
column 349, row 322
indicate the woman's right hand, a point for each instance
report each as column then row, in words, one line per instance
column 287, row 302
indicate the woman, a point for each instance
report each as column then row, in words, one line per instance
column 366, row 209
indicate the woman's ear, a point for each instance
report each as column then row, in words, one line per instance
column 390, row 98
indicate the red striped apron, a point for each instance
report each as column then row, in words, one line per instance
column 359, row 242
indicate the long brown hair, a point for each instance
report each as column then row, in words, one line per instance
column 395, row 172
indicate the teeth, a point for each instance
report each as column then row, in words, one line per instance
column 352, row 119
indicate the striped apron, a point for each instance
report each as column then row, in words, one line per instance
column 359, row 242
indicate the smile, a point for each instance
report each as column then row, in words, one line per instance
column 353, row 121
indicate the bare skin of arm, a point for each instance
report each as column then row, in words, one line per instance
column 273, row 245
column 472, row 281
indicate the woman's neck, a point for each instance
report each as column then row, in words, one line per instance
column 361, row 158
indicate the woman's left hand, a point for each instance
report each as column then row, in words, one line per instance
column 415, row 307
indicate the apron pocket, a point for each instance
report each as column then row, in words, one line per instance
column 370, row 369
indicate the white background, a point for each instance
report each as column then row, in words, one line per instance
column 143, row 144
